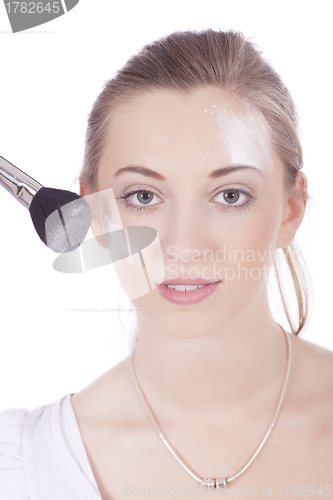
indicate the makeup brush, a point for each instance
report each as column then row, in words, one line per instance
column 61, row 218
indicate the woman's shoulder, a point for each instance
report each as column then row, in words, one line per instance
column 312, row 365
column 311, row 380
column 309, row 404
column 11, row 425
column 312, row 358
column 39, row 456
column 12, row 471
column 116, row 384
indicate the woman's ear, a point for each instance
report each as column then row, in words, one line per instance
column 294, row 211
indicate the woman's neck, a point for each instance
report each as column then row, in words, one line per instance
column 242, row 363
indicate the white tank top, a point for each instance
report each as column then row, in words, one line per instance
column 42, row 455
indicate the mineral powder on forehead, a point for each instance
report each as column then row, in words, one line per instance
column 244, row 136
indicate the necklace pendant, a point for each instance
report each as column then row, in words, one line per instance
column 220, row 483
column 208, row 482
column 217, row 483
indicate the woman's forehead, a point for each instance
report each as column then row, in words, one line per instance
column 198, row 108
column 207, row 123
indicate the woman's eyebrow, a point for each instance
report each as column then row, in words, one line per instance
column 155, row 175
column 140, row 170
column 227, row 170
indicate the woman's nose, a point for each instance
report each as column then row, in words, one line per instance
column 185, row 235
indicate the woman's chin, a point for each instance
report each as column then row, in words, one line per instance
column 189, row 325
column 189, row 334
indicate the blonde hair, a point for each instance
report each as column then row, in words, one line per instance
column 189, row 60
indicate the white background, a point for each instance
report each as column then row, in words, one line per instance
column 50, row 77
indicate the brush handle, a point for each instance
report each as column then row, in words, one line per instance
column 17, row 183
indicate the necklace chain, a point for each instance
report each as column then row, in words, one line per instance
column 217, row 482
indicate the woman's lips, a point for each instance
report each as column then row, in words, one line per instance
column 189, row 297
column 188, row 281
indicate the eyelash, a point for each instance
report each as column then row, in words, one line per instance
column 247, row 204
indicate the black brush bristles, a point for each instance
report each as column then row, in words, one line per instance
column 61, row 218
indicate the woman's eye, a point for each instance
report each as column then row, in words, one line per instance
column 234, row 198
column 142, row 197
column 139, row 199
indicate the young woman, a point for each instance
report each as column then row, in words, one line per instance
column 197, row 137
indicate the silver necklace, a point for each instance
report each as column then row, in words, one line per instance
column 218, row 482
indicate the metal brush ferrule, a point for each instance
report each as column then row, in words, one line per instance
column 19, row 184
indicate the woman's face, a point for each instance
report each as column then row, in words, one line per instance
column 212, row 221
